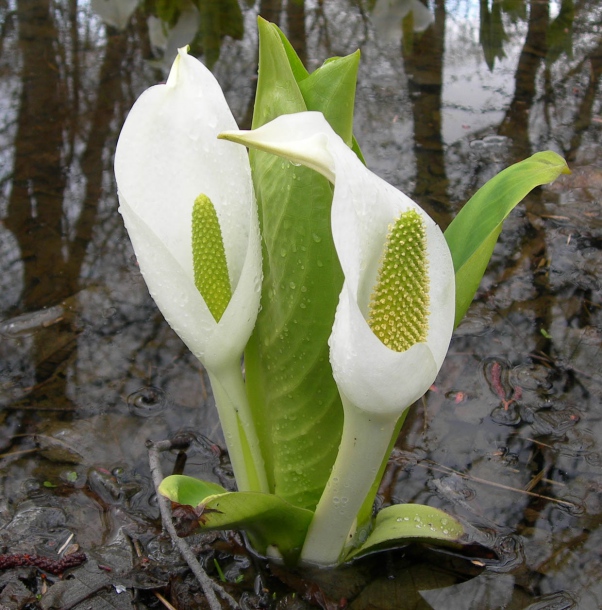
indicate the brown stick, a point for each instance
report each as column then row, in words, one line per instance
column 209, row 586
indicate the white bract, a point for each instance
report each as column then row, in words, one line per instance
column 369, row 374
column 115, row 13
column 167, row 155
column 376, row 383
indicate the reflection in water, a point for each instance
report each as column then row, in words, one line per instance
column 115, row 13
column 516, row 120
column 509, row 437
column 423, row 63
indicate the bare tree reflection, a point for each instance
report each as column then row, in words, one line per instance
column 295, row 17
column 516, row 121
column 424, row 65
column 585, row 112
column 49, row 122
column 35, row 209
column 271, row 10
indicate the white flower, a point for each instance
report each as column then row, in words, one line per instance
column 167, row 155
column 369, row 374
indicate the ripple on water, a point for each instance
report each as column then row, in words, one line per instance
column 147, row 401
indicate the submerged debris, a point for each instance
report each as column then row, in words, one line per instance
column 48, row 564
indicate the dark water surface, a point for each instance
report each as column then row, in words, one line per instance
column 510, row 437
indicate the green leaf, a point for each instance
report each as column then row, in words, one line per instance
column 293, row 396
column 328, row 90
column 220, row 572
column 270, row 522
column 473, row 233
column 401, row 524
column 188, row 490
column 349, row 66
column 299, row 70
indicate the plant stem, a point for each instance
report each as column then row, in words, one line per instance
column 365, row 440
column 239, row 429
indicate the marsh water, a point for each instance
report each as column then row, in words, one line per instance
column 509, row 439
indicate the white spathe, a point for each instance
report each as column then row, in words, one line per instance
column 115, row 13
column 168, row 154
column 368, row 374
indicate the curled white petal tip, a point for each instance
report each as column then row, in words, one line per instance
column 167, row 155
column 369, row 374
column 305, row 142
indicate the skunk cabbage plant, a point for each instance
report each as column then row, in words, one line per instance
column 343, row 301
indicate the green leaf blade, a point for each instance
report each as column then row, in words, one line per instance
column 271, row 522
column 327, row 89
column 188, row 490
column 400, row 524
column 299, row 70
column 294, row 398
column 473, row 233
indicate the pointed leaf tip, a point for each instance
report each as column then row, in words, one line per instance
column 473, row 233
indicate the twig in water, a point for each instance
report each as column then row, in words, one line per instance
column 65, row 544
column 164, row 601
column 209, row 586
column 446, row 469
column 534, row 481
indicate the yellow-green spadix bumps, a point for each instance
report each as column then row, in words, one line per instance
column 209, row 257
column 399, row 306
